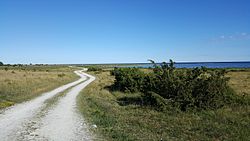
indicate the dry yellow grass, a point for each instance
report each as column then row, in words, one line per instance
column 17, row 85
column 240, row 82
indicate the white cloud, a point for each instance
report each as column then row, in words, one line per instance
column 222, row 37
column 243, row 34
column 235, row 36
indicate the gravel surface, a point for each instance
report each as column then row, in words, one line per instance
column 38, row 120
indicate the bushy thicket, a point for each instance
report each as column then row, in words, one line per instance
column 200, row 88
column 128, row 79
column 94, row 68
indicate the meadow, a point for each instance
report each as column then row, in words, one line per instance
column 118, row 120
column 22, row 83
column 240, row 81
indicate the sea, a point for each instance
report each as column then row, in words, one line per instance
column 197, row 64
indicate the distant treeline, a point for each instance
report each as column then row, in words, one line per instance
column 20, row 65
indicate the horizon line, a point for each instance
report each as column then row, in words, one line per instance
column 127, row 63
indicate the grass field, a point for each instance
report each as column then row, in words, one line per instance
column 18, row 84
column 240, row 82
column 133, row 122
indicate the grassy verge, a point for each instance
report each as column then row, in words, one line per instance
column 116, row 121
column 240, row 81
column 18, row 84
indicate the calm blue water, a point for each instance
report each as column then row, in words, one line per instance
column 205, row 64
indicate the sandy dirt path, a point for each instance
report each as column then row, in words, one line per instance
column 33, row 120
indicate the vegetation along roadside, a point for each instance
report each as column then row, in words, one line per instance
column 21, row 83
column 124, row 109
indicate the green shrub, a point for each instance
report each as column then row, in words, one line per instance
column 198, row 88
column 94, row 68
column 61, row 75
column 128, row 79
column 155, row 100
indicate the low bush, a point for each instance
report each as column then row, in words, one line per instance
column 61, row 75
column 94, row 68
column 198, row 88
column 155, row 100
column 128, row 79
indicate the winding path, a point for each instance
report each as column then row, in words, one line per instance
column 39, row 120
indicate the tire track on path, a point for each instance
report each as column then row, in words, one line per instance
column 13, row 119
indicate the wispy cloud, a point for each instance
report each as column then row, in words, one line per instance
column 232, row 37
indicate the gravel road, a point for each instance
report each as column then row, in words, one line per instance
column 53, row 116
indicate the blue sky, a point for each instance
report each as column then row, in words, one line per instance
column 123, row 31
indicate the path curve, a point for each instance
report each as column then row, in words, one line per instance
column 62, row 122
